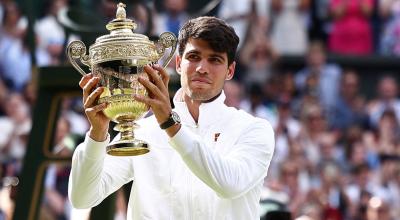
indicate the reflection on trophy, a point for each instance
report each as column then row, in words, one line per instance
column 118, row 60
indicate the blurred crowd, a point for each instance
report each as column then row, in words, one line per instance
column 337, row 153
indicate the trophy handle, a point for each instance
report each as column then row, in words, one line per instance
column 166, row 40
column 77, row 50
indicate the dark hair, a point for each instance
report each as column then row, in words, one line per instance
column 220, row 36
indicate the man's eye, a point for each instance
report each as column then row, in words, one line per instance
column 215, row 60
column 193, row 57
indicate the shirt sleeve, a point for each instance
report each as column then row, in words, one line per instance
column 95, row 175
column 234, row 174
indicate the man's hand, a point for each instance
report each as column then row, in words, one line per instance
column 157, row 87
column 158, row 100
column 94, row 112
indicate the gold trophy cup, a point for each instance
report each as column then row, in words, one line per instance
column 118, row 59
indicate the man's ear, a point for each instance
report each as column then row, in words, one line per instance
column 231, row 71
column 178, row 61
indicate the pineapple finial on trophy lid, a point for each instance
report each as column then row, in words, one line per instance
column 120, row 21
column 121, row 13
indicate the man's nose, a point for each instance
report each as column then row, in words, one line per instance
column 202, row 67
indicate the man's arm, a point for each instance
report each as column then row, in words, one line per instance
column 95, row 175
column 233, row 174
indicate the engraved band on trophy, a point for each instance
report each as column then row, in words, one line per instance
column 118, row 60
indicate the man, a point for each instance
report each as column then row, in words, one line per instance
column 210, row 165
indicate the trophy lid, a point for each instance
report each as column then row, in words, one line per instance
column 121, row 22
column 122, row 43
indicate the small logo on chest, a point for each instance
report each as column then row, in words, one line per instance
column 216, row 136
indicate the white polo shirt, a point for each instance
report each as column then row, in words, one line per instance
column 213, row 169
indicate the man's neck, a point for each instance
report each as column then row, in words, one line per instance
column 194, row 105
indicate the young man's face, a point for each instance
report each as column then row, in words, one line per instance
column 203, row 71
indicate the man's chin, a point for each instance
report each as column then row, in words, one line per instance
column 200, row 96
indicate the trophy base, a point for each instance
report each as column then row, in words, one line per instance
column 127, row 148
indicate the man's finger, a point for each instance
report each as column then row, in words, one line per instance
column 156, row 78
column 90, row 85
column 85, row 79
column 163, row 74
column 97, row 108
column 151, row 88
column 146, row 100
column 92, row 97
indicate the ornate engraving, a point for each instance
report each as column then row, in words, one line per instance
column 142, row 52
column 78, row 49
column 167, row 39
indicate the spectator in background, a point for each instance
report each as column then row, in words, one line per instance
column 351, row 29
column 271, row 89
column 241, row 14
column 287, row 129
column 51, row 42
column 313, row 126
column 378, row 209
column 29, row 93
column 7, row 203
column 389, row 134
column 288, row 26
column 72, row 109
column 56, row 204
column 56, row 181
column 253, row 103
column 385, row 139
column 319, row 20
column 310, row 211
column 387, row 91
column 388, row 189
column 329, row 193
column 15, row 127
column 350, row 107
column 389, row 10
column 287, row 86
column 361, row 152
column 3, row 4
column 257, row 55
column 15, row 60
column 319, row 78
column 173, row 16
column 4, row 92
column 142, row 15
column 234, row 93
column 359, row 190
column 289, row 178
column 329, row 148
column 397, row 182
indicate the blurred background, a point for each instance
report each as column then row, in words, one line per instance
column 324, row 73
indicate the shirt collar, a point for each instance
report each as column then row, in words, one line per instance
column 208, row 112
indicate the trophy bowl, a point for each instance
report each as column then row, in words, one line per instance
column 118, row 59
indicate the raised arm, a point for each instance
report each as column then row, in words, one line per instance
column 93, row 174
column 235, row 173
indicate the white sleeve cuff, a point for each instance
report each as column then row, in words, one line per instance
column 95, row 149
column 184, row 141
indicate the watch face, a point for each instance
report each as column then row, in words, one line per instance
column 175, row 117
